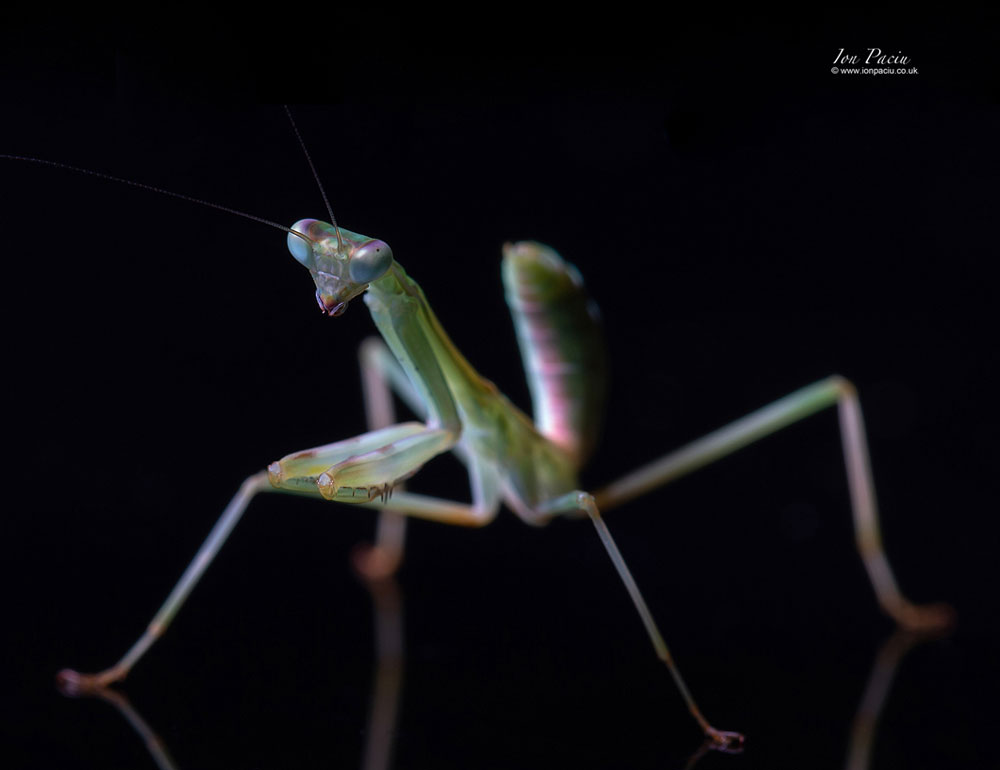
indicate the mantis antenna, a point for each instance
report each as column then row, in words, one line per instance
column 319, row 183
column 160, row 190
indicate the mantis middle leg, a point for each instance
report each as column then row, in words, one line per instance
column 73, row 682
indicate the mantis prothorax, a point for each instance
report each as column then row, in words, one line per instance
column 529, row 465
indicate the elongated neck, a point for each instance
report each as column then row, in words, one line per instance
column 396, row 283
column 401, row 311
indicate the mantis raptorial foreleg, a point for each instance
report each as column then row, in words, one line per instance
column 363, row 468
column 382, row 376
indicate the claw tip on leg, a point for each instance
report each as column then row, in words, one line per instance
column 71, row 683
column 726, row 741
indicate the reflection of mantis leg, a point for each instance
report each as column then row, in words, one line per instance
column 865, row 723
column 157, row 749
column 389, row 677
column 696, row 757
column 876, row 694
column 388, row 614
column 385, row 690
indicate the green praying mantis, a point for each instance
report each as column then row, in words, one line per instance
column 528, row 464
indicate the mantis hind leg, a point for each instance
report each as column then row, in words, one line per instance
column 833, row 391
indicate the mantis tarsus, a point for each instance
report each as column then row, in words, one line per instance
column 447, row 399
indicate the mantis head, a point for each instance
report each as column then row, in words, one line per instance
column 341, row 263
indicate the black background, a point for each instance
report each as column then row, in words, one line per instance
column 748, row 222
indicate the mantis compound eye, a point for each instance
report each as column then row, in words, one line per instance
column 370, row 261
column 299, row 246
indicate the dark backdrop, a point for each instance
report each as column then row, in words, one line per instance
column 748, row 221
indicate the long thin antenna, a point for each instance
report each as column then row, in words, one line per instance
column 312, row 167
column 151, row 188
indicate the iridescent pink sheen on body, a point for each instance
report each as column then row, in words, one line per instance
column 562, row 345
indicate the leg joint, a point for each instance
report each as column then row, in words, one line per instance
column 844, row 387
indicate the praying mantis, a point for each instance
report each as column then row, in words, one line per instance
column 535, row 509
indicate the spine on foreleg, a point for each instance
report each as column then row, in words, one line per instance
column 562, row 345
